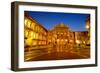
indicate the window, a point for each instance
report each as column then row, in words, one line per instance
column 25, row 22
column 31, row 34
column 34, row 35
column 34, row 42
column 26, row 33
column 33, row 26
column 28, row 41
column 29, row 24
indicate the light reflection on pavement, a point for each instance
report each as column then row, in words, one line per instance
column 57, row 53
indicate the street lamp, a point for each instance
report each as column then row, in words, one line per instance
column 87, row 26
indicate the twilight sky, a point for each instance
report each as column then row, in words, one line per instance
column 75, row 21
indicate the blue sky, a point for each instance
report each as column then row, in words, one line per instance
column 75, row 21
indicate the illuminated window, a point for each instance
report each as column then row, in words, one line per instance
column 34, row 35
column 41, row 30
column 31, row 34
column 62, row 33
column 25, row 22
column 26, row 33
column 33, row 26
column 28, row 41
column 37, row 37
column 39, row 42
column 40, row 37
column 29, row 24
column 34, row 42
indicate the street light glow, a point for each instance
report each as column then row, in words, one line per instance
column 87, row 26
column 77, row 41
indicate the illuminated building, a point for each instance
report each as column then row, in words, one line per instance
column 61, row 36
column 88, row 28
column 71, row 38
column 81, row 37
column 88, row 24
column 34, row 35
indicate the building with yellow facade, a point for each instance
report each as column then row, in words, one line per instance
column 59, row 36
column 88, row 28
column 81, row 38
column 62, row 35
column 34, row 35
